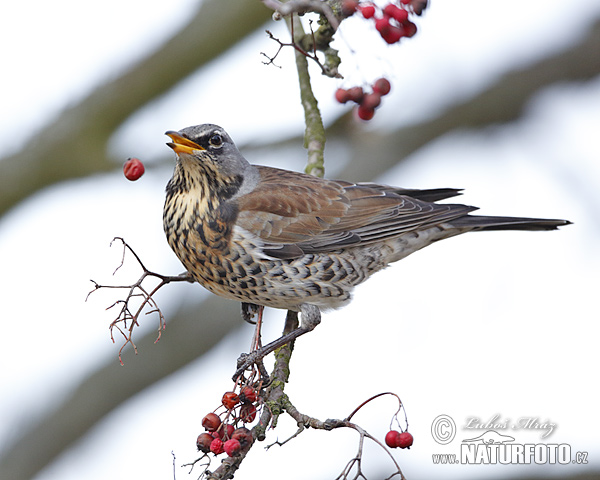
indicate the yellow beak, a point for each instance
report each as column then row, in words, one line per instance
column 181, row 144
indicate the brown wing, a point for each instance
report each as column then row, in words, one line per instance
column 295, row 213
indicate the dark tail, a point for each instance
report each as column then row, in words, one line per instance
column 482, row 222
column 429, row 195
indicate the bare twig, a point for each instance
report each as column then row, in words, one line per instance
column 129, row 314
column 326, row 69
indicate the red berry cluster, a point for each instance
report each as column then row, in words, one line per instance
column 222, row 436
column 395, row 439
column 133, row 169
column 391, row 21
column 367, row 102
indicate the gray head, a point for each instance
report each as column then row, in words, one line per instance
column 211, row 145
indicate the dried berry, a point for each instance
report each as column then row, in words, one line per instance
column 248, row 395
column 203, row 442
column 247, row 413
column 230, row 400
column 211, row 422
column 243, row 435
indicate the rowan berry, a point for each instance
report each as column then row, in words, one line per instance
column 404, row 440
column 391, row 438
column 247, row 413
column 395, row 12
column 371, row 101
column 232, row 447
column 393, row 34
column 365, row 113
column 356, row 94
column 367, row 11
column 243, row 435
column 133, row 169
column 216, row 446
column 211, row 422
column 230, row 400
column 248, row 395
column 203, row 442
column 382, row 86
column 342, row 95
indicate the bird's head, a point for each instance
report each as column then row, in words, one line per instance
column 207, row 148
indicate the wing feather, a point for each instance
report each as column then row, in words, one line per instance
column 294, row 213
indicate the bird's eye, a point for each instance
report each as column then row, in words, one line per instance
column 216, row 140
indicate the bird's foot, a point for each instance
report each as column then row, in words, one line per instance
column 248, row 312
column 310, row 318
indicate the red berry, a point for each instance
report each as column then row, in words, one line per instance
column 404, row 440
column 393, row 34
column 382, row 86
column 232, row 447
column 247, row 413
column 230, row 400
column 371, row 101
column 203, row 442
column 342, row 95
column 133, row 169
column 397, row 13
column 216, row 446
column 243, row 435
column 382, row 25
column 365, row 113
column 367, row 11
column 248, row 395
column 391, row 438
column 356, row 94
column 211, row 422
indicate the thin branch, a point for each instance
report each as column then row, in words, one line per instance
column 329, row 68
column 127, row 314
column 304, row 6
column 314, row 134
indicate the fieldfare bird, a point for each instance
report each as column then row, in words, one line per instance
column 275, row 238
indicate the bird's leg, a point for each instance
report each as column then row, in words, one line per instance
column 310, row 318
column 256, row 342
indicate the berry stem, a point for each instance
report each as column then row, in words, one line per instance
column 370, row 399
